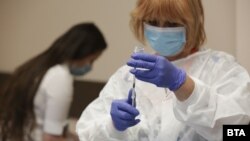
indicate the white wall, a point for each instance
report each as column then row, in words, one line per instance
column 28, row 27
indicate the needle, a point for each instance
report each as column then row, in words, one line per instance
column 133, row 97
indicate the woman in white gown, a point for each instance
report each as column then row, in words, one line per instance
column 184, row 92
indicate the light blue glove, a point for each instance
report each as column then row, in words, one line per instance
column 157, row 70
column 123, row 113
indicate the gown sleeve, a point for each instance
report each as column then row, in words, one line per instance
column 226, row 100
column 95, row 123
column 59, row 94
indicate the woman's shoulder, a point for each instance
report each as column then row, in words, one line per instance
column 121, row 76
column 59, row 69
column 121, row 72
column 222, row 55
column 212, row 56
column 223, row 61
column 58, row 74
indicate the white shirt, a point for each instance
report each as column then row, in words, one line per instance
column 221, row 96
column 52, row 101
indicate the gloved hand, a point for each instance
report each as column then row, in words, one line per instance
column 157, row 70
column 123, row 113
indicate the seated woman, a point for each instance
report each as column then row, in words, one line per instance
column 35, row 101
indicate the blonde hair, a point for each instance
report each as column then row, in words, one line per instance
column 188, row 13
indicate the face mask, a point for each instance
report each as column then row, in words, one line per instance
column 78, row 71
column 166, row 41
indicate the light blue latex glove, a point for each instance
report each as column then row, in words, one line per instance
column 123, row 113
column 157, row 70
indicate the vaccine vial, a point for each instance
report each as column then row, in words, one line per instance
column 138, row 49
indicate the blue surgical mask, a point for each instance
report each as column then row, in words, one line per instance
column 78, row 71
column 167, row 41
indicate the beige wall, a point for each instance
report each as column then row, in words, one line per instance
column 243, row 32
column 28, row 27
column 220, row 24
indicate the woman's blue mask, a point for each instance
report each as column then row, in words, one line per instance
column 168, row 41
column 78, row 71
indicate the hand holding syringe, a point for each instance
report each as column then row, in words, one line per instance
column 133, row 97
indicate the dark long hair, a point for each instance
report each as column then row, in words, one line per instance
column 17, row 118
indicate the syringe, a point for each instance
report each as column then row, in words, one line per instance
column 133, row 97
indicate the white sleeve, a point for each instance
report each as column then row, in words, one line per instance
column 95, row 123
column 226, row 101
column 59, row 92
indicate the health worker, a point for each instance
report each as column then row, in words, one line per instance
column 185, row 92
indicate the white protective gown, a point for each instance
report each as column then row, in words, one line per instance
column 221, row 96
